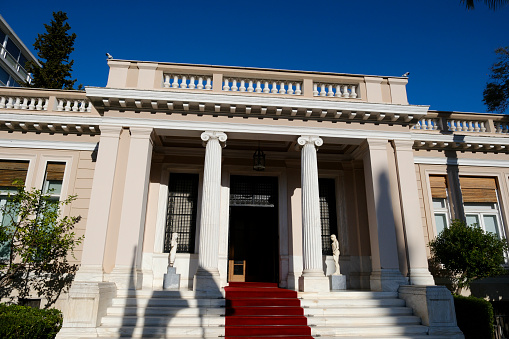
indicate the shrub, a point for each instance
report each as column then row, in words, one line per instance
column 20, row 322
column 474, row 317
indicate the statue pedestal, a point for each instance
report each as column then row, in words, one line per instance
column 338, row 282
column 171, row 279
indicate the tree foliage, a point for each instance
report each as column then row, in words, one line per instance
column 53, row 49
column 492, row 4
column 468, row 253
column 40, row 243
column 496, row 93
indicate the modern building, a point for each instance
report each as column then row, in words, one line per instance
column 254, row 169
column 13, row 57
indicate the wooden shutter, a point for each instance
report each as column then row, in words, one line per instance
column 438, row 185
column 476, row 189
column 11, row 171
column 55, row 171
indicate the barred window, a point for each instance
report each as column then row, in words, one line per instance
column 253, row 191
column 328, row 216
column 182, row 210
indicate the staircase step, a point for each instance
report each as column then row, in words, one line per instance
column 263, row 302
column 358, row 311
column 265, row 310
column 267, row 330
column 252, row 284
column 165, row 311
column 162, row 321
column 161, row 332
column 370, row 330
column 266, row 320
column 168, row 302
column 326, row 303
column 361, row 321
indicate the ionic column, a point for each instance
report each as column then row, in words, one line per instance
column 313, row 278
column 385, row 275
column 207, row 276
column 411, row 212
column 134, row 205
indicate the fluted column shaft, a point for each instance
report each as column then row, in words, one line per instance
column 210, row 207
column 311, row 228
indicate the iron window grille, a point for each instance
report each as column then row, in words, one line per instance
column 253, row 191
column 328, row 216
column 182, row 211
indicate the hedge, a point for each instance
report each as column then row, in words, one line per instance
column 20, row 322
column 474, row 317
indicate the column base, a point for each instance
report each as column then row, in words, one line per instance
column 314, row 284
column 89, row 273
column 421, row 276
column 87, row 303
column 387, row 280
column 125, row 277
column 207, row 283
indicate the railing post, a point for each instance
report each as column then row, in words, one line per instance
column 490, row 126
column 307, row 88
column 217, row 82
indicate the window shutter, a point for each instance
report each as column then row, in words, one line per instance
column 11, row 171
column 438, row 185
column 55, row 171
column 476, row 189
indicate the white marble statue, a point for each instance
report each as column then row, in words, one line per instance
column 335, row 252
column 173, row 248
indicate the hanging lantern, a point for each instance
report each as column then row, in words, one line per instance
column 259, row 160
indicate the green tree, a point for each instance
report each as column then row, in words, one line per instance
column 496, row 93
column 53, row 49
column 468, row 253
column 40, row 243
column 492, row 4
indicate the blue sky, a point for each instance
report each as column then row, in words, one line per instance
column 447, row 49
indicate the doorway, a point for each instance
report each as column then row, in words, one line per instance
column 253, row 251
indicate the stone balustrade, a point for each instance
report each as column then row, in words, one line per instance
column 73, row 105
column 262, row 86
column 24, row 103
column 335, row 90
column 188, row 81
column 478, row 123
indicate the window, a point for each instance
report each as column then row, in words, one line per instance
column 328, row 216
column 182, row 210
column 10, row 171
column 53, row 179
column 481, row 203
column 438, row 185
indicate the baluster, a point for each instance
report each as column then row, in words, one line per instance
column 436, row 123
column 175, row 82
column 17, row 103
column 282, row 89
column 290, row 88
column 505, row 128
column 470, row 126
column 46, row 104
column 250, row 88
column 353, row 93
column 166, row 81
column 2, row 102
column 258, row 86
column 330, row 92
column 266, row 88
column 234, row 85
column 242, row 87
column 274, row 87
column 68, row 106
column 183, row 84
column 297, row 89
column 483, row 127
column 75, row 106
column 476, row 126
column 39, row 104
column 429, row 125
column 226, row 86
column 338, row 91
column 60, row 106
column 322, row 90
column 83, row 106
column 208, row 86
column 191, row 83
column 200, row 83
column 346, row 94
column 315, row 89
column 464, row 123
column 452, row 126
column 31, row 106
column 24, row 105
column 10, row 103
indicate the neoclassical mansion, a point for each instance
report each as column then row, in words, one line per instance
column 255, row 169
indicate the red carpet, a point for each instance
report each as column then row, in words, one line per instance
column 262, row 310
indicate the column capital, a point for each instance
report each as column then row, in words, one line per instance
column 404, row 145
column 110, row 131
column 208, row 135
column 141, row 132
column 310, row 139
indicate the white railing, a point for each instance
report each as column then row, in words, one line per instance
column 27, row 103
column 188, row 81
column 466, row 126
column 73, row 105
column 427, row 124
column 262, row 86
column 334, row 90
